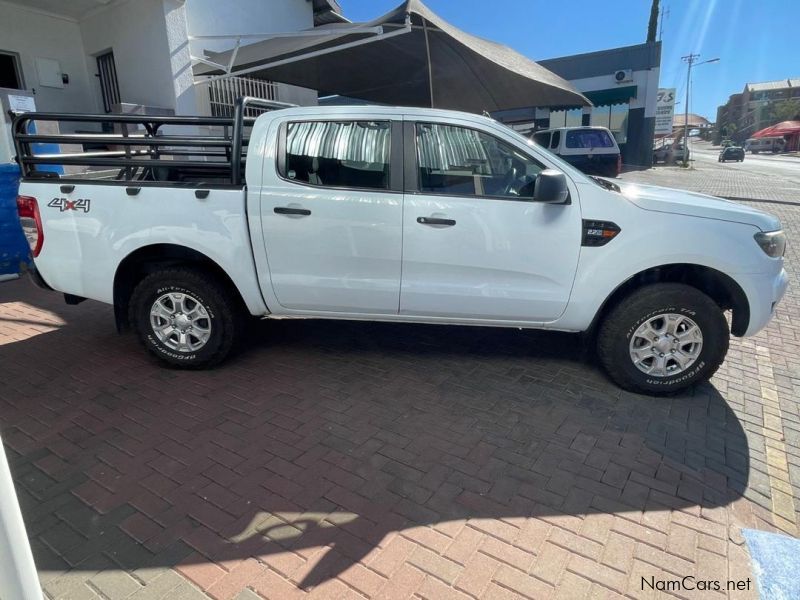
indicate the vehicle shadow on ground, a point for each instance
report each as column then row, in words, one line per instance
column 329, row 437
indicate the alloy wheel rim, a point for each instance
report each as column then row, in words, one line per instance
column 180, row 322
column 666, row 345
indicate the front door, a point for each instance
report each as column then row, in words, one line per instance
column 475, row 244
column 332, row 216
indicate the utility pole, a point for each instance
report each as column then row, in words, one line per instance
column 691, row 59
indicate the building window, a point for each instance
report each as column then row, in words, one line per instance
column 618, row 122
column 600, row 116
column 10, row 71
column 566, row 118
column 614, row 118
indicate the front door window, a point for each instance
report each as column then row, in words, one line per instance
column 459, row 161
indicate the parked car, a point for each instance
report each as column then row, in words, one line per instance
column 663, row 153
column 593, row 150
column 765, row 144
column 406, row 215
column 680, row 153
column 669, row 153
column 731, row 153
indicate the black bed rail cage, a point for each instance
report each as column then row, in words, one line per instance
column 142, row 148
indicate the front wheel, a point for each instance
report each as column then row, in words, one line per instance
column 185, row 317
column 663, row 338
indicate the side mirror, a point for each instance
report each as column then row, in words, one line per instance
column 551, row 187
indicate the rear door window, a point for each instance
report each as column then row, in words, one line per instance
column 350, row 154
column 589, row 138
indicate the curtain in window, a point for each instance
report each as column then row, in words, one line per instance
column 354, row 141
column 444, row 147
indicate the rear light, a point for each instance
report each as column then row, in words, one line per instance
column 619, row 164
column 31, row 223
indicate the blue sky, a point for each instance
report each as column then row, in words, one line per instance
column 756, row 40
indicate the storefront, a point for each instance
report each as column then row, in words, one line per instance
column 622, row 83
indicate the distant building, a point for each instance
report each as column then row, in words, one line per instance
column 747, row 112
column 695, row 122
column 622, row 83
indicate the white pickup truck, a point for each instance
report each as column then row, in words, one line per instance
column 392, row 214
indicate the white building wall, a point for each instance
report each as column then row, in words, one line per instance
column 136, row 31
column 176, row 22
column 32, row 34
column 247, row 17
column 242, row 17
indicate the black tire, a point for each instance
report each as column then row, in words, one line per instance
column 224, row 315
column 614, row 337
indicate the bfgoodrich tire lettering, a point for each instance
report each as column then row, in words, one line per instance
column 614, row 336
column 222, row 315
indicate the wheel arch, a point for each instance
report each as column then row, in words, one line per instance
column 721, row 288
column 150, row 258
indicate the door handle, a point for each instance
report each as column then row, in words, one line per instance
column 287, row 210
column 132, row 191
column 436, row 221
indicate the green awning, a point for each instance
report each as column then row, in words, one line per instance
column 618, row 95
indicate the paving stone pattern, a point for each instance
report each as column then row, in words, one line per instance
column 351, row 460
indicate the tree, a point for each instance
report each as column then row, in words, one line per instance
column 788, row 111
column 652, row 25
column 778, row 111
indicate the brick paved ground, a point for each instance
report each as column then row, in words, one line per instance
column 728, row 180
column 387, row 461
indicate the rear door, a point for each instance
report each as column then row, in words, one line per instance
column 331, row 215
column 475, row 245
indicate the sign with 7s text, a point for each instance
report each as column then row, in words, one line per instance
column 665, row 109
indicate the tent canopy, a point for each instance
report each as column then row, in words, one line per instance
column 783, row 128
column 409, row 56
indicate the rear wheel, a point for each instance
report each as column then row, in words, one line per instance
column 185, row 317
column 663, row 338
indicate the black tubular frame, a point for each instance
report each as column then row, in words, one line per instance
column 230, row 146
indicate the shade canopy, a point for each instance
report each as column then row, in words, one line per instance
column 620, row 95
column 409, row 56
column 779, row 129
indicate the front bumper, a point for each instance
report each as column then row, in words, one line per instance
column 764, row 292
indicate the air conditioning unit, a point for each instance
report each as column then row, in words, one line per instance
column 623, row 75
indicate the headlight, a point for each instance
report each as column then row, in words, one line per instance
column 772, row 242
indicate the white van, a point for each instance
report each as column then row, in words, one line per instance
column 765, row 144
column 593, row 150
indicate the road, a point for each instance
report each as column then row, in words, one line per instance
column 771, row 165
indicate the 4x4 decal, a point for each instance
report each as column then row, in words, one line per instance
column 63, row 204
